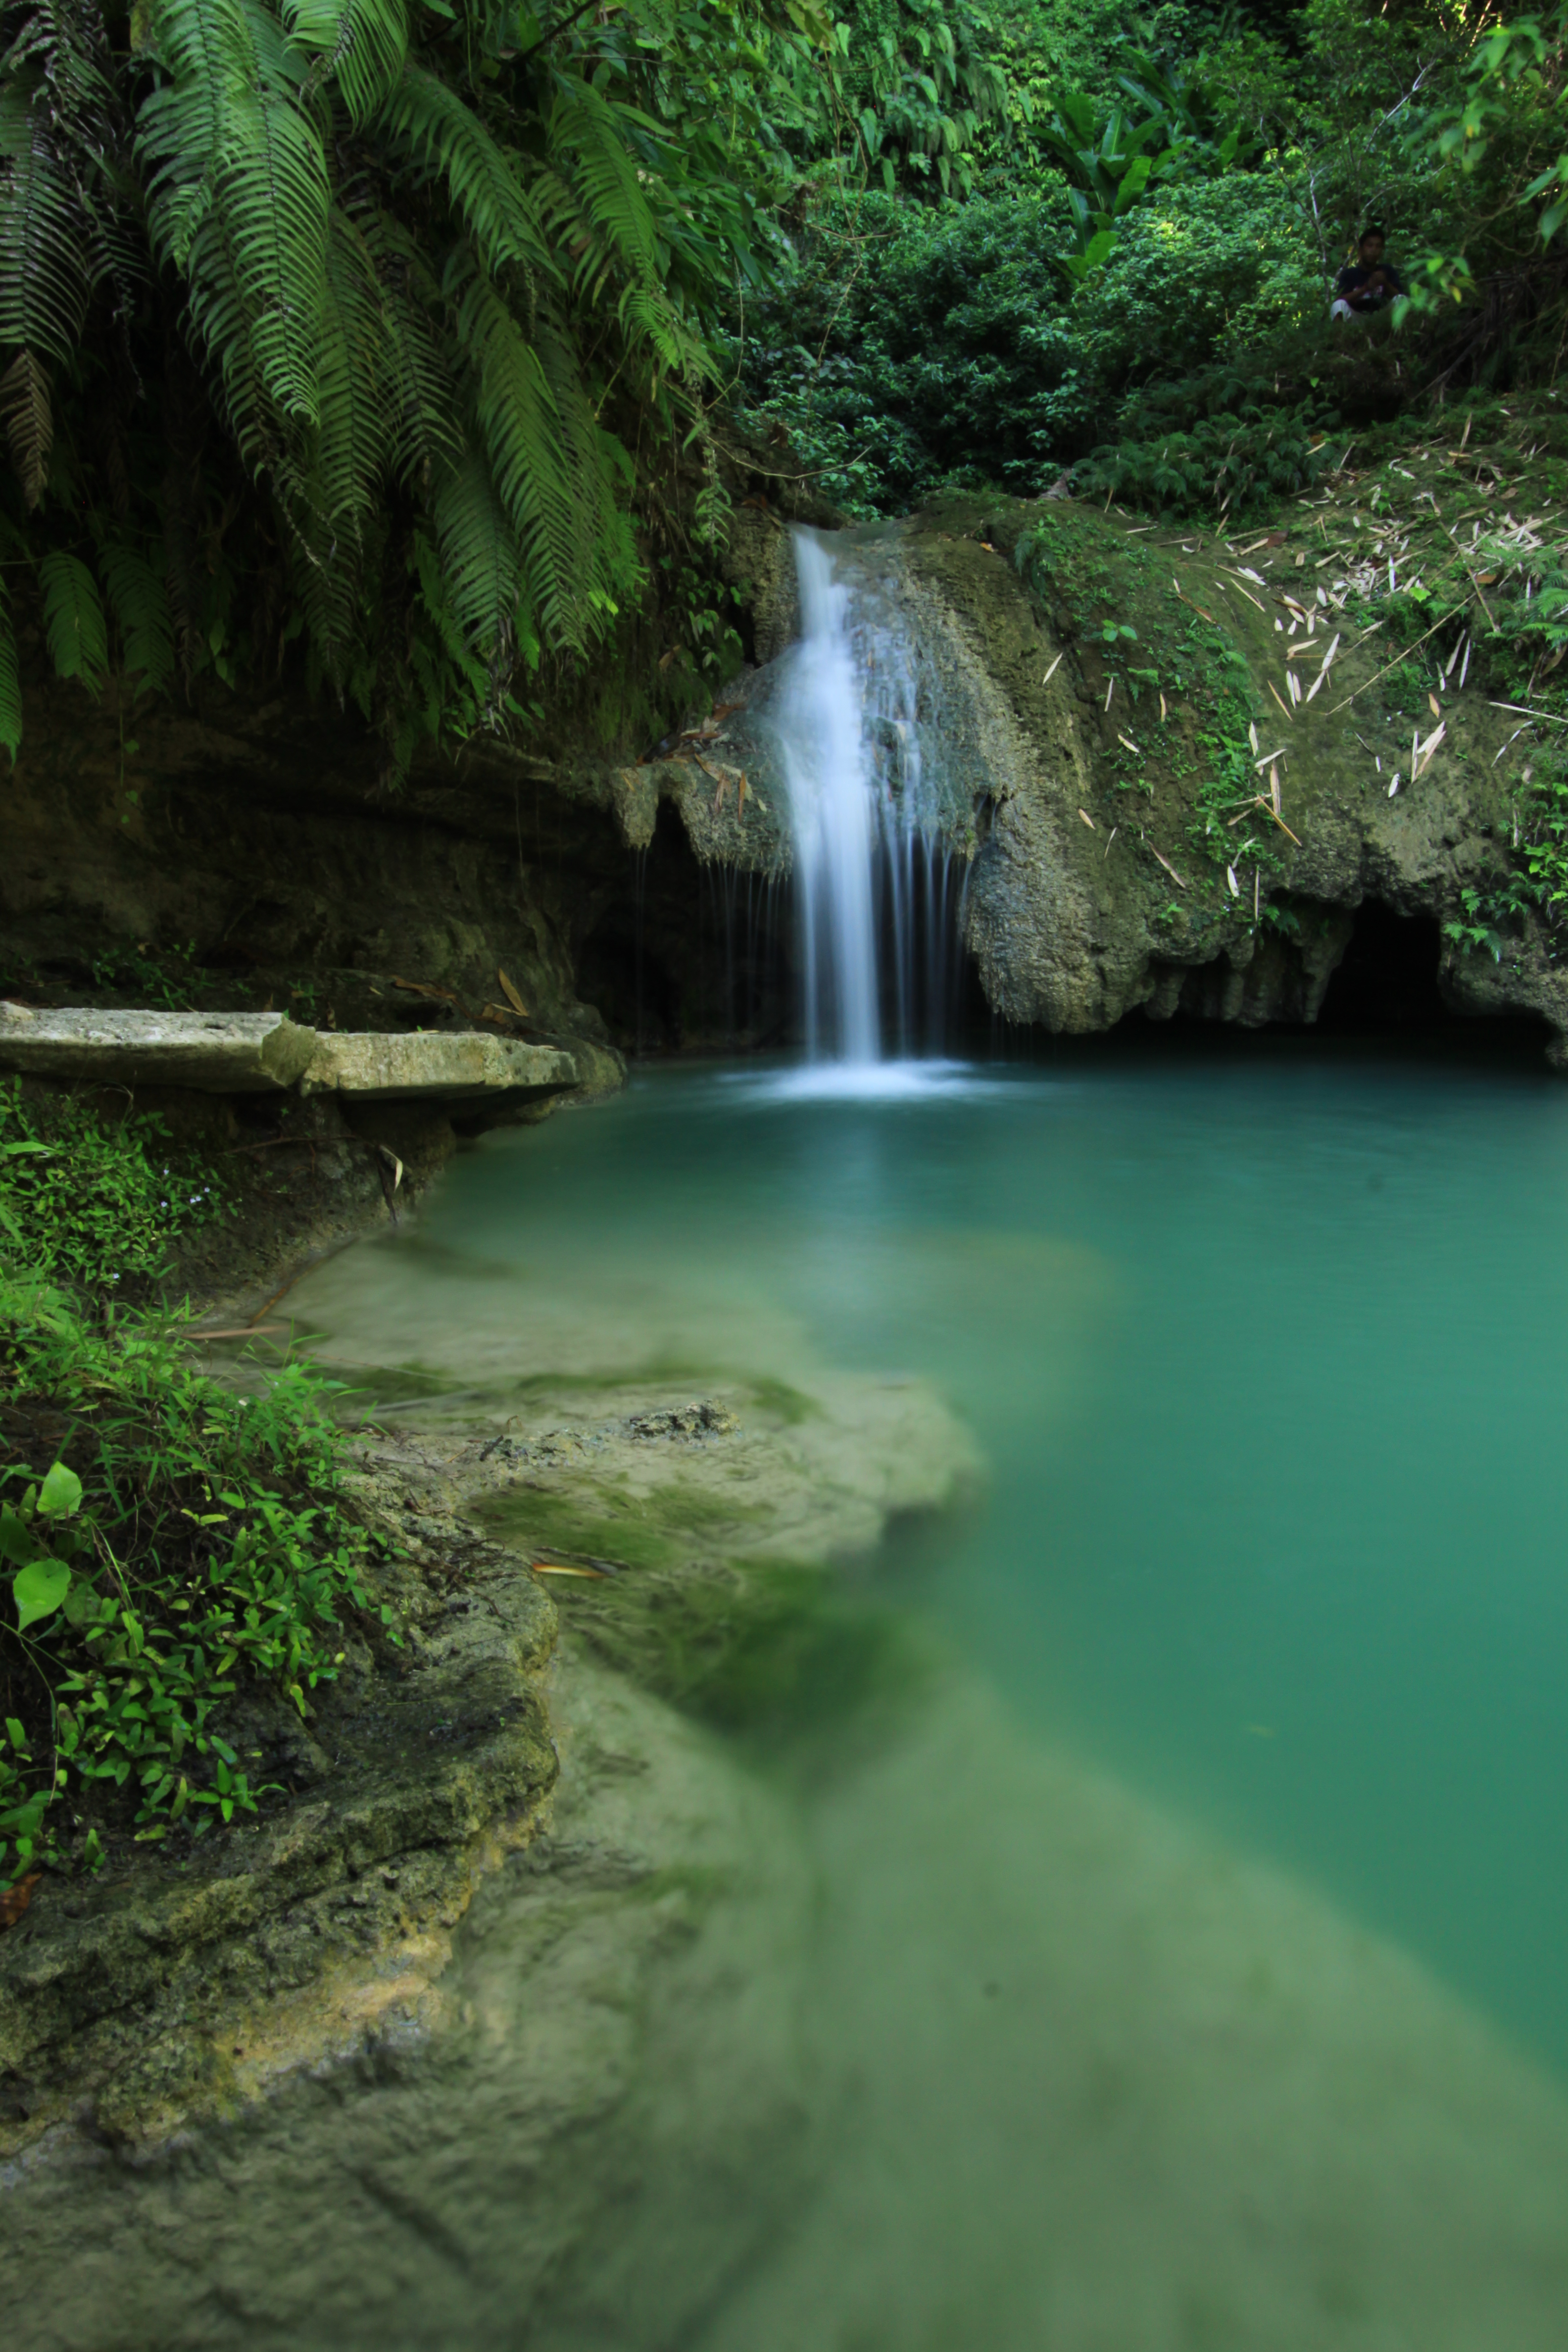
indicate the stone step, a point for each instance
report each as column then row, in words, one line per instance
column 453, row 1065
column 245, row 1052
column 218, row 1052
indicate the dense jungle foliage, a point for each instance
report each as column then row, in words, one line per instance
column 179, row 1572
column 405, row 342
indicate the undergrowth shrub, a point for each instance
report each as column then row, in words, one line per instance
column 913, row 348
column 166, row 1545
column 92, row 1204
column 1535, row 880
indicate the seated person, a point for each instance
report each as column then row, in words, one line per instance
column 1364, row 285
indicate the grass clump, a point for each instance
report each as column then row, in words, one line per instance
column 168, row 1548
column 94, row 1205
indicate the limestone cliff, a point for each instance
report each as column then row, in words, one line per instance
column 1114, row 704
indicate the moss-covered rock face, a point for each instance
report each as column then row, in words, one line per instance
column 1154, row 817
column 1121, row 697
column 180, row 1988
column 683, row 1541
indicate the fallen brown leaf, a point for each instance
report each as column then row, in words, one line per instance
column 509, row 993
column 423, row 988
column 16, row 1899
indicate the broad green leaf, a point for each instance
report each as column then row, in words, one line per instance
column 59, row 1496
column 15, row 1542
column 38, row 1590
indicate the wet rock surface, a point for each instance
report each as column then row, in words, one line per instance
column 134, row 2005
column 218, row 1052
column 1092, row 893
column 182, row 1991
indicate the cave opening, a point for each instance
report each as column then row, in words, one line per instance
column 1387, row 977
column 685, row 957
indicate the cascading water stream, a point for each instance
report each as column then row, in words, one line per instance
column 872, row 867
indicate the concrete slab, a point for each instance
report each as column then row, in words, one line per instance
column 449, row 1065
column 217, row 1052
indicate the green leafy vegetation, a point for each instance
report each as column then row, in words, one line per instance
column 363, row 330
column 183, row 1545
column 171, row 976
column 169, row 1549
column 1534, row 882
column 397, row 348
column 94, row 1203
column 1138, row 291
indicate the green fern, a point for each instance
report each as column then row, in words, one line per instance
column 45, row 276
column 73, row 619
column 237, row 199
column 435, row 126
column 28, row 419
column 140, row 602
column 480, row 556
column 386, row 285
column 361, row 45
column 10, row 685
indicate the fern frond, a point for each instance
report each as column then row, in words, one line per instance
column 28, row 419
column 604, row 564
column 274, row 203
column 481, row 561
column 592, row 193
column 45, row 270
column 140, row 602
column 583, row 125
column 418, row 389
column 329, row 475
column 434, row 125
column 238, row 198
column 206, row 49
column 352, row 433
column 73, row 619
column 326, row 575
column 651, row 316
column 532, row 463
column 362, row 44
column 10, row 686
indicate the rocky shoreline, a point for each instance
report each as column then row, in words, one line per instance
column 175, row 1993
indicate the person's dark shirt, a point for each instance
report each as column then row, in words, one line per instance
column 1357, row 274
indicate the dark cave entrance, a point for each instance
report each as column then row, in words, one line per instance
column 683, row 957
column 1387, row 977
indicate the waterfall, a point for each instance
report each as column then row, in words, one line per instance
column 873, row 874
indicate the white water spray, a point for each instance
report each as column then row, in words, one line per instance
column 872, row 874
